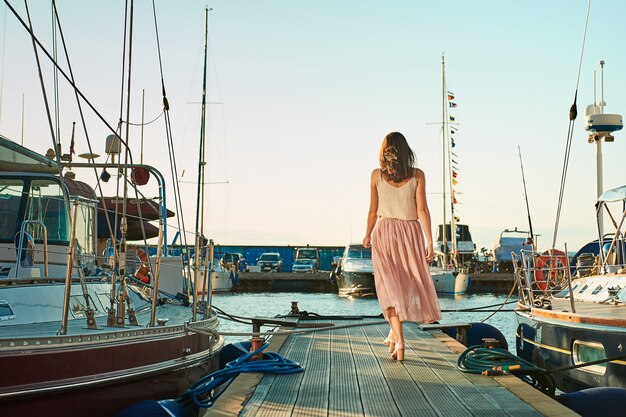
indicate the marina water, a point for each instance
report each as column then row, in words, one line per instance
column 273, row 304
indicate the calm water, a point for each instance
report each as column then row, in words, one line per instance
column 272, row 304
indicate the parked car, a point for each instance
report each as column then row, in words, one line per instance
column 308, row 253
column 303, row 265
column 234, row 259
column 270, row 261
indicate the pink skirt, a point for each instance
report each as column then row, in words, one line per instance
column 401, row 273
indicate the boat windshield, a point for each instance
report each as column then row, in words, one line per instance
column 37, row 200
column 359, row 252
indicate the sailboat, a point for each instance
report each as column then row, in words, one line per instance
column 79, row 334
column 448, row 275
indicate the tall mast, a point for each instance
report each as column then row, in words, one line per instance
column 444, row 128
column 201, row 160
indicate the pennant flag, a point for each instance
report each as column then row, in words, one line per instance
column 454, row 174
column 452, row 118
column 450, row 96
column 454, row 181
column 457, row 219
column 454, row 162
column 453, row 154
column 453, row 128
column 452, row 104
column 453, row 144
column 454, row 200
column 452, row 132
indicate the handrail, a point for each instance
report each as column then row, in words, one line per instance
column 21, row 243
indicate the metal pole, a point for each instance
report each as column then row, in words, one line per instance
column 569, row 281
column 68, row 275
column 157, row 272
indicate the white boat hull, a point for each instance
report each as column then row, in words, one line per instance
column 448, row 281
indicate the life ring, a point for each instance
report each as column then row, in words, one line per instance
column 142, row 273
column 549, row 268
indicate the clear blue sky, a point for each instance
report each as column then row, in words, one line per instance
column 306, row 90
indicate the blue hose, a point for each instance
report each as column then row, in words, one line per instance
column 271, row 363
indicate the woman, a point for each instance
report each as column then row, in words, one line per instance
column 398, row 230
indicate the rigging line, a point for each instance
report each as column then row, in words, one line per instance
column 123, row 59
column 56, row 65
column 173, row 166
column 56, row 79
column 43, row 91
column 573, row 112
column 4, row 38
column 144, row 123
column 82, row 116
column 156, row 30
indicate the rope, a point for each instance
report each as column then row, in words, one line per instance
column 281, row 332
column 506, row 300
column 496, row 361
column 272, row 363
column 145, row 123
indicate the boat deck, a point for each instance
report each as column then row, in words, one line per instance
column 348, row 372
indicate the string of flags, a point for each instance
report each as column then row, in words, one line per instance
column 454, row 169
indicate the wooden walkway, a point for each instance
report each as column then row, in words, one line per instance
column 348, row 372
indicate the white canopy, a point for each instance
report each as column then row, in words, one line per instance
column 616, row 194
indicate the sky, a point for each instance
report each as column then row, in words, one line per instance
column 303, row 92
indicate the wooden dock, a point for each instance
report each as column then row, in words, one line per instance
column 348, row 372
column 319, row 282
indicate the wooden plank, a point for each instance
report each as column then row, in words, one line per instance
column 408, row 396
column 280, row 392
column 376, row 397
column 312, row 397
column 344, row 397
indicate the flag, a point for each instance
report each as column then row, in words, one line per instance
column 450, row 96
column 454, row 162
column 452, row 132
column 452, row 118
column 454, row 174
column 452, row 104
column 454, row 181
column 457, row 219
column 453, row 144
column 453, row 128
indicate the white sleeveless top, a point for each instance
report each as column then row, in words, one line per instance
column 397, row 202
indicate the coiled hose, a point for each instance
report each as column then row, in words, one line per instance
column 496, row 361
column 271, row 363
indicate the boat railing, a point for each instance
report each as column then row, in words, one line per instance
column 539, row 275
column 30, row 241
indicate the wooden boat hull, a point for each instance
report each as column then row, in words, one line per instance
column 105, row 377
column 554, row 339
column 356, row 284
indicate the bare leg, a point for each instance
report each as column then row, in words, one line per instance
column 396, row 328
column 390, row 341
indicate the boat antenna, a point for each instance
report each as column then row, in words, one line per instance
column 531, row 239
column 573, row 112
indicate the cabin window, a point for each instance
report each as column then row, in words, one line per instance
column 6, row 312
column 596, row 290
column 85, row 233
column 584, row 352
column 46, row 203
column 10, row 196
column 582, row 290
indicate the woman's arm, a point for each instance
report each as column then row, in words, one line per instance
column 423, row 214
column 372, row 213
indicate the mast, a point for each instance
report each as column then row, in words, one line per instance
column 444, row 128
column 201, row 165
